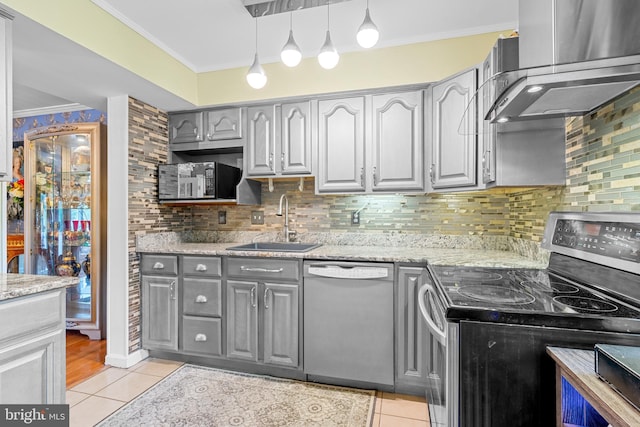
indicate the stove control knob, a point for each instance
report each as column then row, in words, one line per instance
column 572, row 241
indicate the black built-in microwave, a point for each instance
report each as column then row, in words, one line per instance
column 188, row 181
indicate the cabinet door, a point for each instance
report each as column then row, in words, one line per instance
column 486, row 131
column 30, row 370
column 159, row 313
column 6, row 99
column 411, row 332
column 186, row 127
column 281, row 324
column 295, row 138
column 224, row 124
column 397, row 142
column 242, row 320
column 454, row 132
column 341, row 146
column 261, row 141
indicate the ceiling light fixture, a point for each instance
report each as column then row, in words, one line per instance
column 368, row 34
column 291, row 55
column 256, row 76
column 328, row 56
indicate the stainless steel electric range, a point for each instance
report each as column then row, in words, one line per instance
column 490, row 326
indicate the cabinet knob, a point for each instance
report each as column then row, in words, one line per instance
column 201, row 267
column 158, row 266
column 201, row 299
column 200, row 338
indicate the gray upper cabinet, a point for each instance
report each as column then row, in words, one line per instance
column 6, row 97
column 294, row 137
column 279, row 140
column 261, row 141
column 454, row 137
column 341, row 146
column 186, row 127
column 397, row 142
column 224, row 124
column 374, row 152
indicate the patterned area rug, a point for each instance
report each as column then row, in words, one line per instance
column 200, row 396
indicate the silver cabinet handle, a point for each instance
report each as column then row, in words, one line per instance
column 172, row 290
column 270, row 160
column 261, row 270
column 282, row 161
column 253, row 296
column 362, row 176
column 158, row 266
column 200, row 338
column 265, row 298
column 201, row 267
column 201, row 299
column 375, row 179
column 431, row 173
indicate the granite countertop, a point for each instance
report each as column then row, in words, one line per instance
column 433, row 256
column 18, row 285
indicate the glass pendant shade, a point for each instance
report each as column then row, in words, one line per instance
column 328, row 56
column 291, row 55
column 368, row 32
column 256, row 76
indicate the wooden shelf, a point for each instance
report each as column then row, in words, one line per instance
column 577, row 367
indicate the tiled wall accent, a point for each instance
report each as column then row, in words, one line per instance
column 603, row 157
column 479, row 213
column 148, row 139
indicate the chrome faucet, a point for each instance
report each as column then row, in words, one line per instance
column 287, row 233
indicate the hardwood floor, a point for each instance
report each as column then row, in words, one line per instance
column 85, row 357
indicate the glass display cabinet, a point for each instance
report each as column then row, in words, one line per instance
column 65, row 215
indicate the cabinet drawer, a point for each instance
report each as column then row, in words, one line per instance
column 202, row 335
column 159, row 264
column 264, row 268
column 202, row 266
column 24, row 315
column 202, row 297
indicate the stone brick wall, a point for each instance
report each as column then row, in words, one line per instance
column 148, row 146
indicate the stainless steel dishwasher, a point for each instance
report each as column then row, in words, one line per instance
column 348, row 321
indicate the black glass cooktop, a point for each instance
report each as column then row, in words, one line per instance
column 502, row 292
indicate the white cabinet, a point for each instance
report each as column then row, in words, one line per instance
column 454, row 136
column 279, row 140
column 32, row 349
column 375, row 152
column 397, row 163
column 341, row 146
column 6, row 98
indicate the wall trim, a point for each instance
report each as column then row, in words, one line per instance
column 126, row 361
column 55, row 109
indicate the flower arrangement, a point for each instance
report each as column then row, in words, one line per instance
column 15, row 206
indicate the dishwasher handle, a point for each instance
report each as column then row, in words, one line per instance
column 436, row 332
column 346, row 271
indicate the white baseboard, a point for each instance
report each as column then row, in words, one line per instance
column 126, row 362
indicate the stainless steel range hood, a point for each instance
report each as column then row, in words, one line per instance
column 578, row 54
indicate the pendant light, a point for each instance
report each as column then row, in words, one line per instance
column 291, row 55
column 328, row 56
column 368, row 32
column 256, row 76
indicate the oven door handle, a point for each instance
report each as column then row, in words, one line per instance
column 439, row 335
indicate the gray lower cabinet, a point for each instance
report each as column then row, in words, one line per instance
column 264, row 311
column 201, row 291
column 32, row 349
column 159, row 302
column 411, row 332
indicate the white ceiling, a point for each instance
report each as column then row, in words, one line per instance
column 208, row 35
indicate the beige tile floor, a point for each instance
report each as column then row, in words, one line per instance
column 94, row 399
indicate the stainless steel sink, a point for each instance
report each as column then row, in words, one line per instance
column 275, row 247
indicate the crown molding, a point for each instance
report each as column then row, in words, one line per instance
column 64, row 108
